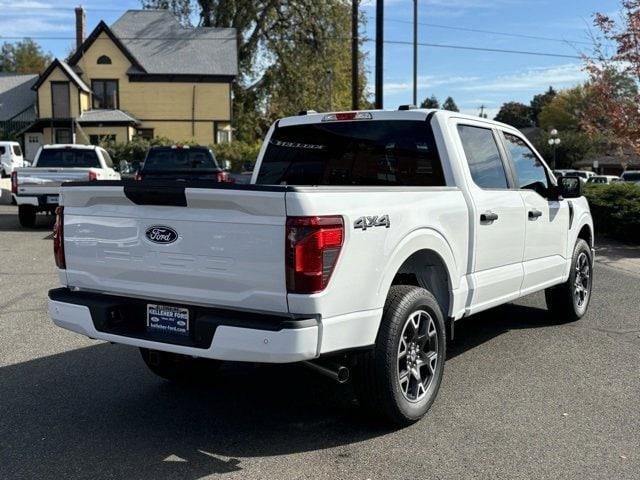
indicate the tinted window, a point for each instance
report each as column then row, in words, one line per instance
column 631, row 176
column 483, row 156
column 530, row 172
column 179, row 159
column 68, row 158
column 17, row 150
column 107, row 158
column 363, row 152
column 3, row 150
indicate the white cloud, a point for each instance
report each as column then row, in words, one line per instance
column 427, row 82
column 559, row 76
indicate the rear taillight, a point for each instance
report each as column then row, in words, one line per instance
column 14, row 182
column 93, row 176
column 58, row 238
column 223, row 177
column 312, row 247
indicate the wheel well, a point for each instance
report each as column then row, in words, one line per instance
column 586, row 235
column 426, row 269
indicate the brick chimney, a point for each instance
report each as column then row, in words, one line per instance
column 81, row 20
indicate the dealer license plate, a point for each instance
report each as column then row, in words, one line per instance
column 167, row 319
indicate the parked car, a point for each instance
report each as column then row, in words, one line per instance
column 630, row 176
column 362, row 239
column 179, row 162
column 583, row 174
column 10, row 158
column 602, row 179
column 36, row 189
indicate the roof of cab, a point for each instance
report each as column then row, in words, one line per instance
column 411, row 114
column 73, row 146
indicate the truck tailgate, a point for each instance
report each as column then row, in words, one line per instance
column 226, row 249
column 35, row 181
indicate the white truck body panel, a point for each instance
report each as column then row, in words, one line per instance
column 230, row 249
column 38, row 186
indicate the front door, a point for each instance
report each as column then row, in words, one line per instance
column 547, row 220
column 498, row 220
column 32, row 143
column 60, row 100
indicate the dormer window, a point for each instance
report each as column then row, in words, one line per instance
column 104, row 60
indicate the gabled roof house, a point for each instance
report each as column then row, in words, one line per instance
column 144, row 75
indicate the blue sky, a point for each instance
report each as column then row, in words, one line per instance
column 472, row 78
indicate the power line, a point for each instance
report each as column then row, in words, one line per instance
column 485, row 49
column 393, row 20
column 491, row 32
column 392, row 42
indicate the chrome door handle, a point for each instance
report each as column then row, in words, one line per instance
column 533, row 214
column 487, row 217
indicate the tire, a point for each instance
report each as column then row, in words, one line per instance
column 385, row 388
column 180, row 368
column 569, row 301
column 27, row 216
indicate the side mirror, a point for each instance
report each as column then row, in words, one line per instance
column 570, row 186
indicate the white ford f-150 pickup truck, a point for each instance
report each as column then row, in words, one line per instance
column 35, row 189
column 361, row 239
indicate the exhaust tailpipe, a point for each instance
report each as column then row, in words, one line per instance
column 339, row 373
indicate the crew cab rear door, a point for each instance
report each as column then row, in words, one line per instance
column 547, row 219
column 173, row 242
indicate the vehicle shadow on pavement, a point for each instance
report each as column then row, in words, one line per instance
column 9, row 222
column 482, row 327
column 96, row 412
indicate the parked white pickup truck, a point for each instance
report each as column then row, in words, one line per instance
column 36, row 189
column 363, row 237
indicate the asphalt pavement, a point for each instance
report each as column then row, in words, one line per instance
column 523, row 397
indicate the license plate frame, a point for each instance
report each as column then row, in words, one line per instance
column 168, row 319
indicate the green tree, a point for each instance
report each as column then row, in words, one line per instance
column 515, row 114
column 450, row 104
column 539, row 102
column 25, row 56
column 430, row 102
column 292, row 55
column 564, row 112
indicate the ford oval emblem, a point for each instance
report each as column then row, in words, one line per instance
column 160, row 234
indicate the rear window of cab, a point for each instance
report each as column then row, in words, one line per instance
column 365, row 153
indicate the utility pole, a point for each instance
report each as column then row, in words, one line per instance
column 355, row 88
column 379, row 51
column 415, row 52
column 482, row 107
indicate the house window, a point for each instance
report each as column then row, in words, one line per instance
column 146, row 133
column 224, row 136
column 105, row 94
column 98, row 139
column 60, row 100
column 63, row 135
column 104, row 60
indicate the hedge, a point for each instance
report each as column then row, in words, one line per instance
column 237, row 153
column 616, row 210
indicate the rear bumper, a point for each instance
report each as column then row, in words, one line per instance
column 215, row 334
column 39, row 201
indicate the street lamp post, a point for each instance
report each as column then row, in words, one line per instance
column 554, row 141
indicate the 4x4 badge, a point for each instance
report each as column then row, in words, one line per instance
column 375, row 221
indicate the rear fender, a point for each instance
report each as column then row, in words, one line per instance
column 421, row 239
